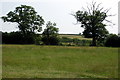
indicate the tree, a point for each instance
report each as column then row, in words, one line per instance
column 50, row 34
column 27, row 19
column 91, row 19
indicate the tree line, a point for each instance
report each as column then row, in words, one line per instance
column 29, row 23
column 112, row 40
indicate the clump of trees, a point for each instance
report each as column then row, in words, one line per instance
column 50, row 34
column 29, row 23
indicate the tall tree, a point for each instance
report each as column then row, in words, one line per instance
column 91, row 19
column 27, row 19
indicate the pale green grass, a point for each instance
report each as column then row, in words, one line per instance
column 31, row 61
column 75, row 36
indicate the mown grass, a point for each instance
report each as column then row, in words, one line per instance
column 31, row 61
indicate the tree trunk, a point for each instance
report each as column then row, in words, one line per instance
column 93, row 41
column 93, row 34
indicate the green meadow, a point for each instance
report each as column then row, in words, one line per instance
column 73, row 36
column 33, row 61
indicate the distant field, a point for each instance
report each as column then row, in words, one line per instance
column 74, row 36
column 31, row 61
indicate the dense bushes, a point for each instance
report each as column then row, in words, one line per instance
column 112, row 41
column 16, row 38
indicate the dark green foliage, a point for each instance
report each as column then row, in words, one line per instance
column 50, row 34
column 28, row 23
column 38, row 39
column 16, row 38
column 92, row 22
column 112, row 41
column 26, row 18
column 87, row 34
column 52, row 40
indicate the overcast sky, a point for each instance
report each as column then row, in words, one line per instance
column 59, row 11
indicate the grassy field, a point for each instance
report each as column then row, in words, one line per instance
column 74, row 36
column 31, row 61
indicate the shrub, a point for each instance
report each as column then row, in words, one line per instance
column 50, row 40
column 112, row 41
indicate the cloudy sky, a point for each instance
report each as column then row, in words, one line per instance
column 59, row 11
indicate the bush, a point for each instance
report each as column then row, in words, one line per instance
column 50, row 40
column 50, row 34
column 112, row 41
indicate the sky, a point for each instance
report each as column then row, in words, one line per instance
column 59, row 11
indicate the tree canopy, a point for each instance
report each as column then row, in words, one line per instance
column 27, row 19
column 91, row 19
